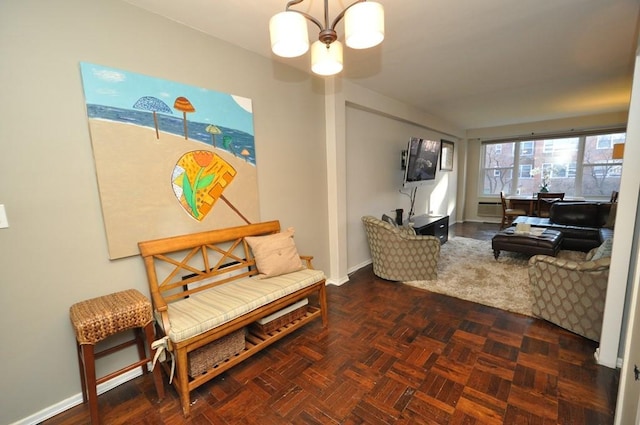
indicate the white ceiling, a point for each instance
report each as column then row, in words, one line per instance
column 476, row 63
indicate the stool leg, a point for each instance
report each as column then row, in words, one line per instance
column 142, row 354
column 90, row 378
column 157, row 373
column 83, row 379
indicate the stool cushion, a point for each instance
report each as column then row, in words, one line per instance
column 98, row 318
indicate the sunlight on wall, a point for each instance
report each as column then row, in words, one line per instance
column 438, row 198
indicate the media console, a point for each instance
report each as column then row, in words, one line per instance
column 435, row 225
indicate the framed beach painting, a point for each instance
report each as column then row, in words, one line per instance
column 170, row 158
column 446, row 155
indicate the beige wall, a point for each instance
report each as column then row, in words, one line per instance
column 381, row 120
column 54, row 253
column 374, row 176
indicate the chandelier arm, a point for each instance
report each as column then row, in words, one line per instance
column 293, row 3
column 341, row 14
column 306, row 15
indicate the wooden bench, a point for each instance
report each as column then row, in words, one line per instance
column 213, row 277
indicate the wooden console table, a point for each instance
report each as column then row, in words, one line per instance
column 434, row 225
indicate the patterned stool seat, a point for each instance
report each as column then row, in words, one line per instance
column 101, row 317
column 97, row 319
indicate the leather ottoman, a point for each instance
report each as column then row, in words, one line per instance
column 546, row 243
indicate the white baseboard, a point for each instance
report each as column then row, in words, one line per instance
column 338, row 282
column 76, row 400
column 345, row 279
column 359, row 266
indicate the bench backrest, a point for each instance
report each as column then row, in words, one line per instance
column 183, row 265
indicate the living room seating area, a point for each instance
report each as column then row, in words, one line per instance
column 569, row 265
column 584, row 225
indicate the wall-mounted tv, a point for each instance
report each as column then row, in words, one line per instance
column 421, row 161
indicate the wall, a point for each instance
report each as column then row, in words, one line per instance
column 54, row 253
column 345, row 230
column 374, row 176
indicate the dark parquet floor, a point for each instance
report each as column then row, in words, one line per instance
column 393, row 354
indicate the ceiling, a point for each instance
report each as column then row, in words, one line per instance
column 474, row 63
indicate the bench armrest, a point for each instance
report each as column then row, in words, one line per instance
column 307, row 259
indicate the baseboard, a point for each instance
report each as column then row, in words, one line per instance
column 76, row 400
column 358, row 266
column 345, row 279
column 338, row 282
column 619, row 360
column 483, row 221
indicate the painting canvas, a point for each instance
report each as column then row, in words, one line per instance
column 170, row 158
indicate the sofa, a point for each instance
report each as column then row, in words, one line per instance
column 584, row 225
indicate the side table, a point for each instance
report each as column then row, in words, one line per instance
column 434, row 225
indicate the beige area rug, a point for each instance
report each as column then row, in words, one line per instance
column 467, row 270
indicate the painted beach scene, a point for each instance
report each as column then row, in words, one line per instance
column 170, row 158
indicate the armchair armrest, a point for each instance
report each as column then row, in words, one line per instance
column 601, row 264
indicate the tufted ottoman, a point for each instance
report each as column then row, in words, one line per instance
column 99, row 318
column 546, row 243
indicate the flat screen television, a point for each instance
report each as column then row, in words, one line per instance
column 421, row 161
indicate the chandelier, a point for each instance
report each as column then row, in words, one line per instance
column 363, row 24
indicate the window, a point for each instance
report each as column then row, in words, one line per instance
column 498, row 169
column 604, row 142
column 525, row 171
column 578, row 166
column 559, row 171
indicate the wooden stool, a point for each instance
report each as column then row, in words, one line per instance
column 98, row 318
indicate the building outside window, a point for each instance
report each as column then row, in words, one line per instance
column 527, row 148
column 578, row 166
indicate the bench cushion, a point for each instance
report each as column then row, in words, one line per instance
column 206, row 310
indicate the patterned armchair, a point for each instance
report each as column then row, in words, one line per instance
column 570, row 293
column 399, row 254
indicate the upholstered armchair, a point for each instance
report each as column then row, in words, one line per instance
column 570, row 293
column 399, row 254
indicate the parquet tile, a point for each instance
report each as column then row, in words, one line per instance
column 393, row 354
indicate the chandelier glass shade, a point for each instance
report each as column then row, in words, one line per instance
column 364, row 25
column 326, row 59
column 364, row 28
column 289, row 35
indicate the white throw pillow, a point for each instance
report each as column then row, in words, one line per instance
column 603, row 250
